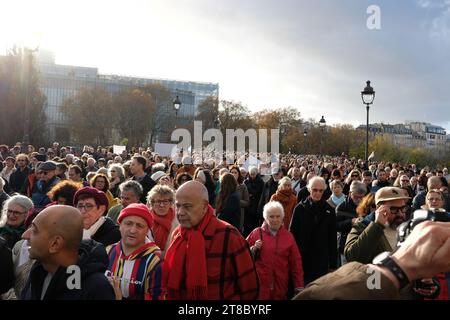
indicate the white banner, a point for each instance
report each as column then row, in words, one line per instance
column 119, row 149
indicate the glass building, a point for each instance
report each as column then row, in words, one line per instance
column 59, row 82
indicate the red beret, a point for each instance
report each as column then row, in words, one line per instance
column 99, row 196
column 136, row 209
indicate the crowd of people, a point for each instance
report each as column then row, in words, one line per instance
column 142, row 226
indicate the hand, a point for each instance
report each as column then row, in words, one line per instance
column 426, row 252
column 115, row 283
column 382, row 214
column 258, row 244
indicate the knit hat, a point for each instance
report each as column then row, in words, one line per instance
column 389, row 194
column 136, row 209
column 99, row 196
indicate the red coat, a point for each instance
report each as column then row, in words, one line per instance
column 279, row 256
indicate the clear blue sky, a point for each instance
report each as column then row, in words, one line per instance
column 313, row 55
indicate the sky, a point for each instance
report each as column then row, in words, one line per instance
column 313, row 55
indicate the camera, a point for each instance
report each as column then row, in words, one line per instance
column 405, row 229
column 420, row 215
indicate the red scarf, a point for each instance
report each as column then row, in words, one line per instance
column 185, row 263
column 161, row 227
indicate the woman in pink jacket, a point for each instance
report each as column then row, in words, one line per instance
column 276, row 255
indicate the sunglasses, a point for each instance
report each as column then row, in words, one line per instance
column 395, row 210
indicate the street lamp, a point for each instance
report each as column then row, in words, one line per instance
column 176, row 106
column 368, row 95
column 217, row 123
column 322, row 124
column 305, row 133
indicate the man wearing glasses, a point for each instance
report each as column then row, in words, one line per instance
column 313, row 225
column 377, row 232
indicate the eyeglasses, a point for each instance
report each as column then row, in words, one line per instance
column 87, row 207
column 318, row 190
column 355, row 175
column 15, row 213
column 395, row 210
column 161, row 202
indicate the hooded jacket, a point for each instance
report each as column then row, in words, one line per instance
column 92, row 263
column 279, row 252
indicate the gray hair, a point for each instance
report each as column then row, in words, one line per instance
column 273, row 205
column 160, row 190
column 336, row 182
column 358, row 187
column 19, row 200
column 119, row 169
column 133, row 186
column 2, row 183
column 103, row 171
column 253, row 169
column 314, row 180
column 158, row 167
column 283, row 180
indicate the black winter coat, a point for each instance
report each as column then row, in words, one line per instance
column 231, row 212
column 269, row 188
column 92, row 262
column 313, row 225
column 255, row 188
column 345, row 212
column 6, row 267
column 108, row 233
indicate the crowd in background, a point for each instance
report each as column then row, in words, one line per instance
column 302, row 219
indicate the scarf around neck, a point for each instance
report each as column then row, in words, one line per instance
column 161, row 227
column 184, row 266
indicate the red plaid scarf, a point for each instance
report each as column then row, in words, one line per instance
column 185, row 261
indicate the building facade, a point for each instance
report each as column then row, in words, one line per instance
column 59, row 82
column 412, row 134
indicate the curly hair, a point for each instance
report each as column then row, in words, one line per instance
column 65, row 189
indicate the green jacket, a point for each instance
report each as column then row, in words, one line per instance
column 113, row 213
column 365, row 241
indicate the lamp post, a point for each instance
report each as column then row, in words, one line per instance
column 176, row 106
column 368, row 95
column 322, row 124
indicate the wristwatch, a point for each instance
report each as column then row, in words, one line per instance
column 384, row 259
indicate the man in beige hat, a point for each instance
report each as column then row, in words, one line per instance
column 377, row 232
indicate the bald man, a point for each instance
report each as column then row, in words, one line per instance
column 208, row 258
column 67, row 268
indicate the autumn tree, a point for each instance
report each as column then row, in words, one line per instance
column 21, row 101
column 288, row 120
column 208, row 111
column 135, row 113
column 163, row 117
column 90, row 115
column 234, row 115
